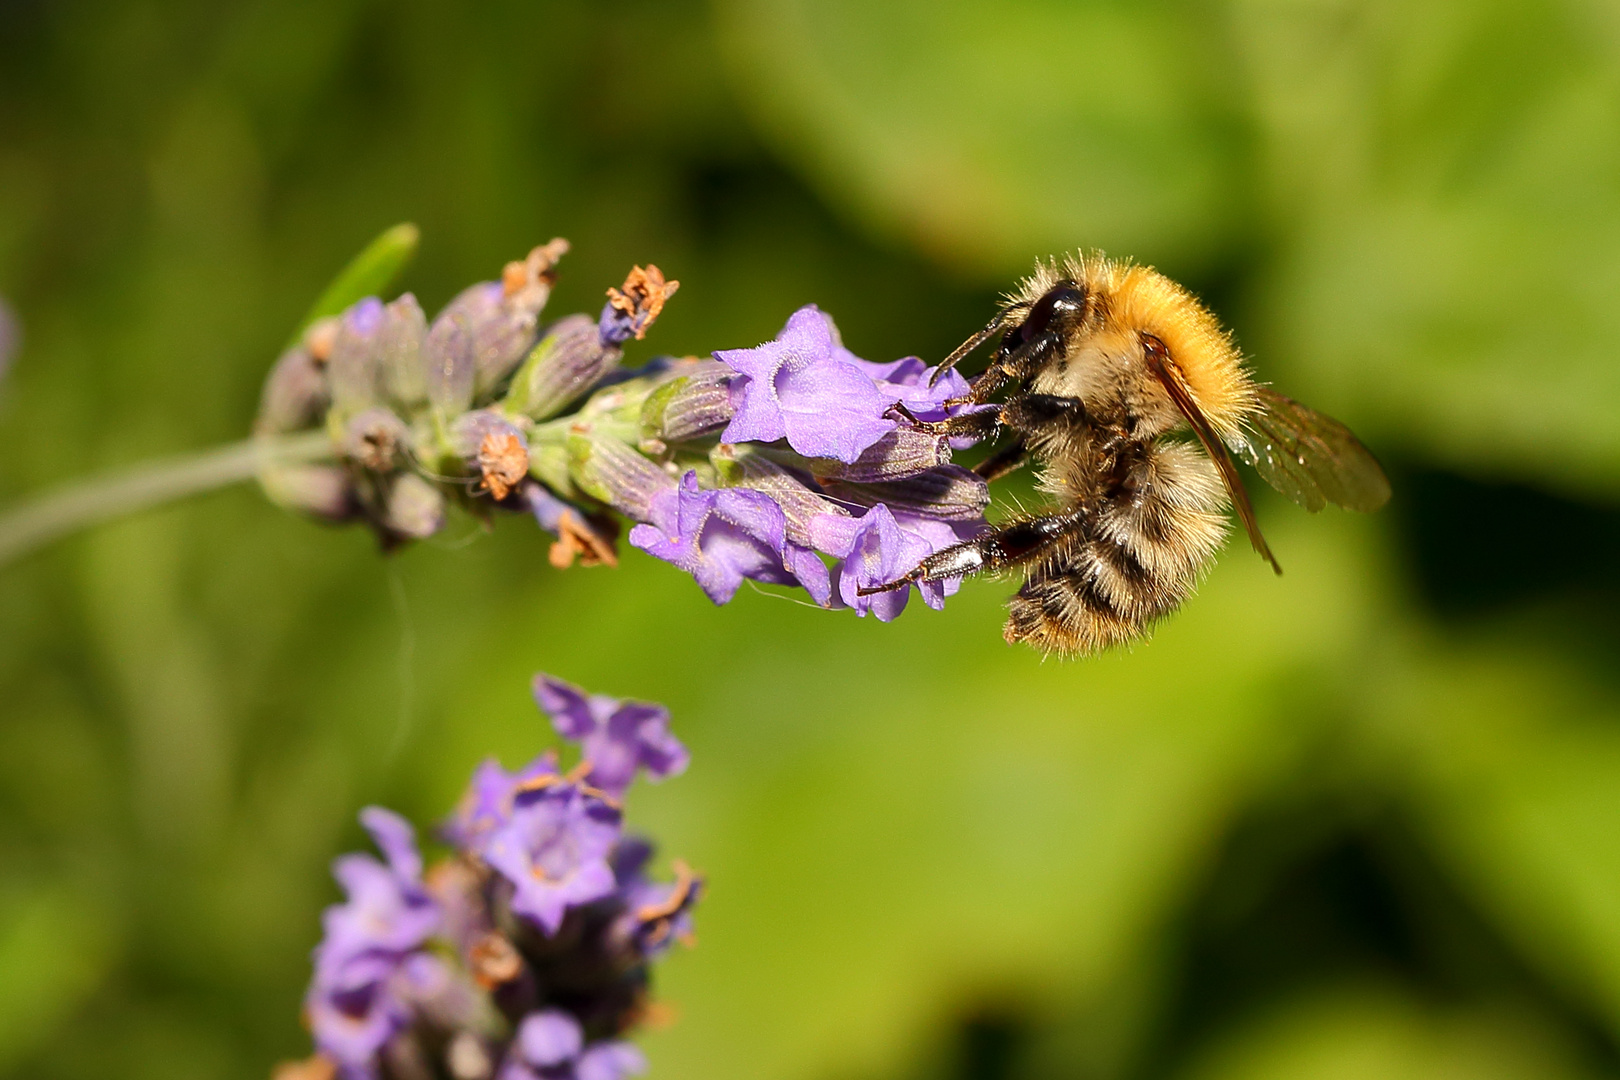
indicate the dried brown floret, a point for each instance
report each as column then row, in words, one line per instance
column 643, row 296
column 504, row 461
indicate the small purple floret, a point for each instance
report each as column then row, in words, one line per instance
column 357, row 1001
column 551, row 1037
column 616, row 737
column 719, row 536
column 878, row 548
column 554, row 849
column 487, row 805
column 550, row 1045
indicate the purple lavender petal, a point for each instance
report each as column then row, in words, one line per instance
column 569, row 707
column 396, row 839
column 616, row 737
column 551, row 1037
column 352, row 1018
column 938, row 534
column 629, row 860
column 554, row 851
column 637, row 735
column 547, row 509
column 487, row 805
column 611, row 1060
column 388, row 911
column 809, row 571
column 798, row 387
column 906, row 381
column 364, row 975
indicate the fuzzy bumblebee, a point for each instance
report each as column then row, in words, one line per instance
column 1101, row 368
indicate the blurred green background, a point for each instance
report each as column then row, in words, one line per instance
column 1362, row 820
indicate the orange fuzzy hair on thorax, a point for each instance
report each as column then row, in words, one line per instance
column 1129, row 300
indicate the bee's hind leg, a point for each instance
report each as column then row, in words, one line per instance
column 998, row 549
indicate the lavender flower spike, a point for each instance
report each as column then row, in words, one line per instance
column 616, row 737
column 528, row 953
column 802, row 388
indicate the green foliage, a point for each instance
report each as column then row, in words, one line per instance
column 1362, row 820
column 370, row 273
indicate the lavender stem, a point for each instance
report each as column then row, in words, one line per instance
column 38, row 521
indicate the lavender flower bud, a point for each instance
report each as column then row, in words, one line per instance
column 499, row 317
column 375, row 438
column 322, row 491
column 353, row 369
column 295, row 394
column 399, row 352
column 745, row 466
column 414, row 508
column 900, row 453
column 948, row 492
column 449, row 362
column 568, row 361
column 503, row 340
column 611, row 471
column 696, row 403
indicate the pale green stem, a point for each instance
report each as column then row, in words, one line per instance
column 43, row 518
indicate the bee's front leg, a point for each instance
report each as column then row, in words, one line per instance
column 974, row 425
column 998, row 549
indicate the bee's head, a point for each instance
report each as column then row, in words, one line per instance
column 1060, row 307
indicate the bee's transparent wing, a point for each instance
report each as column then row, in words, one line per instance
column 1159, row 363
column 1311, row 458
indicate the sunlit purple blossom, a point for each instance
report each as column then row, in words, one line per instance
column 388, row 910
column 800, row 387
column 718, row 535
column 878, row 548
column 655, row 913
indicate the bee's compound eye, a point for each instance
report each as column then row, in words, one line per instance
column 1063, row 302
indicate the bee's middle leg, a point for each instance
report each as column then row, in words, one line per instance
column 998, row 549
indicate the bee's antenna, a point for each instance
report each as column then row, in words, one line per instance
column 962, row 350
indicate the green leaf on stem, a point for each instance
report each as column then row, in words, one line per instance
column 368, row 274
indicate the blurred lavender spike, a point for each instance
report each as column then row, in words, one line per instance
column 525, row 955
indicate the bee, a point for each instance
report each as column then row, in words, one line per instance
column 1101, row 369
